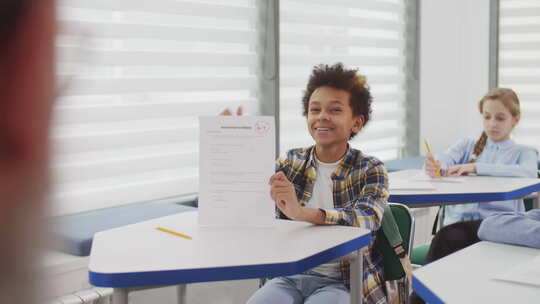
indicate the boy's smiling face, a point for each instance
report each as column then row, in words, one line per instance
column 330, row 117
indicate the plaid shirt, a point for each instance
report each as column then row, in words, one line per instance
column 360, row 190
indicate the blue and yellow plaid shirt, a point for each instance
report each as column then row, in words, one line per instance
column 360, row 190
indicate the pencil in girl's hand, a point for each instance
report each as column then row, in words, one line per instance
column 438, row 172
column 427, row 146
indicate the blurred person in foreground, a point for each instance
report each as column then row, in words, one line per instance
column 27, row 91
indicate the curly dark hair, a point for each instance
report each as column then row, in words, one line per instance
column 338, row 77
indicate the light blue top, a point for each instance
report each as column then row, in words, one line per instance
column 517, row 229
column 504, row 158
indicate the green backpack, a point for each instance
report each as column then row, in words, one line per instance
column 392, row 241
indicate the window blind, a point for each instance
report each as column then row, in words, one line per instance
column 368, row 35
column 138, row 74
column 519, row 63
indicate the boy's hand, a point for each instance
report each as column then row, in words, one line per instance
column 227, row 112
column 432, row 166
column 465, row 169
column 284, row 195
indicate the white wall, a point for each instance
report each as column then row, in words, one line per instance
column 454, row 69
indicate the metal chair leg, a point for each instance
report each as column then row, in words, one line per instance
column 181, row 293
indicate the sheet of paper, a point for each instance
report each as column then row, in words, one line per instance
column 423, row 177
column 524, row 273
column 237, row 158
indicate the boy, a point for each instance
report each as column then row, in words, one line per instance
column 331, row 184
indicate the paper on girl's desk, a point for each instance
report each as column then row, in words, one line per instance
column 236, row 160
column 423, row 177
column 525, row 273
column 421, row 181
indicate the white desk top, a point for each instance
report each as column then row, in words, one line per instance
column 467, row 276
column 473, row 189
column 140, row 255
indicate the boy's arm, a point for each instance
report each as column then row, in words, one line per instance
column 313, row 215
column 512, row 228
column 367, row 210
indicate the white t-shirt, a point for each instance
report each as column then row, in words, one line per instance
column 323, row 197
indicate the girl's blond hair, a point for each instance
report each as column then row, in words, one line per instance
column 509, row 99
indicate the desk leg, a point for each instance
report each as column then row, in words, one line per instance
column 181, row 293
column 120, row 296
column 356, row 276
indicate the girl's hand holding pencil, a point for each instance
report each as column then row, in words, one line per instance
column 432, row 166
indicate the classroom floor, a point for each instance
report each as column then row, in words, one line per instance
column 228, row 292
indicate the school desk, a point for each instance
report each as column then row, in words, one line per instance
column 139, row 256
column 469, row 276
column 474, row 189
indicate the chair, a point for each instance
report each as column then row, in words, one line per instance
column 419, row 254
column 397, row 229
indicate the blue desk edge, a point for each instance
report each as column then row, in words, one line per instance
column 478, row 197
column 425, row 293
column 173, row 277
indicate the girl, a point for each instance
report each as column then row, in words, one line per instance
column 494, row 153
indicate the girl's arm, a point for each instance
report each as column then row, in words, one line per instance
column 367, row 210
column 527, row 166
column 511, row 228
column 456, row 154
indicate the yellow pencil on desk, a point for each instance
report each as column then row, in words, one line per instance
column 438, row 172
column 174, row 232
